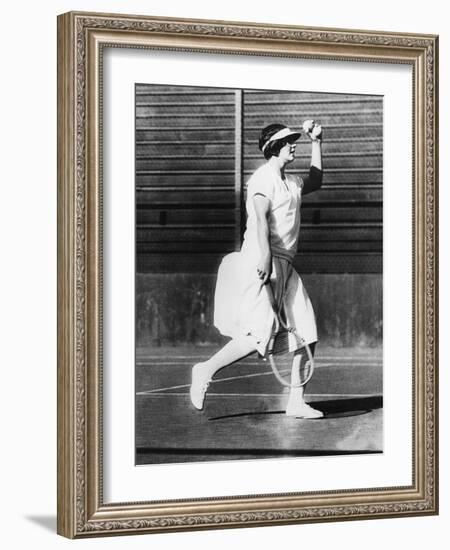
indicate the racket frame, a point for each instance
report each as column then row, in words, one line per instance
column 278, row 322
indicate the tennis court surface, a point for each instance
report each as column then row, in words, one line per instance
column 244, row 418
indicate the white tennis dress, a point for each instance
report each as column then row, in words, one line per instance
column 241, row 305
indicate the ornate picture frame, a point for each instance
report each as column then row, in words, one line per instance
column 82, row 510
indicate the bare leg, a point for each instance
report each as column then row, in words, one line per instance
column 202, row 373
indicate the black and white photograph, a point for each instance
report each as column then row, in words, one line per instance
column 259, row 276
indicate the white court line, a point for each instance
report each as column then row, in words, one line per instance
column 310, row 395
column 318, row 364
column 322, row 357
column 253, row 375
column 239, row 377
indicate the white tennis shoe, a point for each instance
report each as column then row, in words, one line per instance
column 199, row 385
column 303, row 411
column 297, row 407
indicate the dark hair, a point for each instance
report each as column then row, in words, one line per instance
column 273, row 149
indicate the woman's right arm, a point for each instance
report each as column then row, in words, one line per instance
column 262, row 208
column 313, row 181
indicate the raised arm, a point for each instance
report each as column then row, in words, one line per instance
column 313, row 180
column 264, row 265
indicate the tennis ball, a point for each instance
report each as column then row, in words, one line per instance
column 308, row 125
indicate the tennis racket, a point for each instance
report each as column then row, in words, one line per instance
column 283, row 344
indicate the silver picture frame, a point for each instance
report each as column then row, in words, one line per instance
column 82, row 511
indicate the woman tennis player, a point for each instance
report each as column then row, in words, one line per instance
column 243, row 309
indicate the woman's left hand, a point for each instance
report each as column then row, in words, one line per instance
column 312, row 130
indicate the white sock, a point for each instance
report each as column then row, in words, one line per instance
column 295, row 371
column 297, row 393
column 235, row 349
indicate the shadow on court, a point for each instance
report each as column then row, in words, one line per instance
column 244, row 416
column 338, row 408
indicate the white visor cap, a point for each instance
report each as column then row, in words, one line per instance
column 281, row 134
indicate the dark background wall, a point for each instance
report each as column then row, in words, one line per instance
column 195, row 150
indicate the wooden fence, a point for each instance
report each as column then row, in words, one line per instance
column 197, row 147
